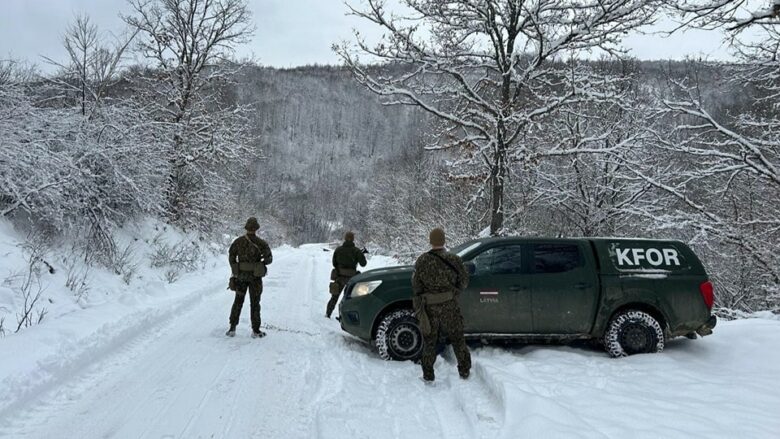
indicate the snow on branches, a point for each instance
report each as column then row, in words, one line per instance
column 189, row 44
column 489, row 70
column 721, row 170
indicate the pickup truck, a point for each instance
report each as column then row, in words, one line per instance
column 629, row 294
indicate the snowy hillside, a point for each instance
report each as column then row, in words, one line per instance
column 159, row 366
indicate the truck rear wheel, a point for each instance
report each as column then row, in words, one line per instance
column 398, row 336
column 633, row 332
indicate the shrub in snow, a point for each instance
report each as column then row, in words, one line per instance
column 175, row 258
column 27, row 286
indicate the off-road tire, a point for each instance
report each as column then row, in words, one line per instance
column 633, row 332
column 398, row 336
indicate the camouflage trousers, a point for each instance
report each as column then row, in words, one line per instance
column 341, row 281
column 255, row 288
column 446, row 319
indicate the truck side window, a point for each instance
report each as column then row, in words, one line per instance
column 556, row 258
column 499, row 260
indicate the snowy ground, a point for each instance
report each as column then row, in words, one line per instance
column 163, row 369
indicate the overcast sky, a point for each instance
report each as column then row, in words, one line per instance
column 289, row 32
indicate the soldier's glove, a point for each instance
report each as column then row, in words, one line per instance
column 364, row 250
column 232, row 283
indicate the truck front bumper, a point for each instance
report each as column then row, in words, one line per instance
column 706, row 329
column 357, row 315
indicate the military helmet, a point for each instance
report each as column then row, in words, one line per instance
column 437, row 237
column 252, row 225
column 349, row 236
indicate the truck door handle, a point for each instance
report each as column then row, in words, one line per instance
column 582, row 286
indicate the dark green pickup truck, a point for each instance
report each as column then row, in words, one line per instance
column 630, row 294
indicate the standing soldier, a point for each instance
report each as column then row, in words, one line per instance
column 439, row 277
column 248, row 257
column 345, row 261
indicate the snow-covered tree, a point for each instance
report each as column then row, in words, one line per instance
column 27, row 172
column 588, row 193
column 92, row 65
column 189, row 43
column 489, row 70
column 722, row 169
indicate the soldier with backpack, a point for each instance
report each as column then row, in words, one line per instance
column 346, row 258
column 248, row 256
column 439, row 277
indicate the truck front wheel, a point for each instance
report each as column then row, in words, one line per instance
column 633, row 332
column 398, row 336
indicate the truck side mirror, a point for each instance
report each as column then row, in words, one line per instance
column 470, row 267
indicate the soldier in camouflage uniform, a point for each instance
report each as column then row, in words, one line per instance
column 248, row 256
column 346, row 258
column 439, row 277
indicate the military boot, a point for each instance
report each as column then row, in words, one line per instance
column 232, row 331
column 257, row 333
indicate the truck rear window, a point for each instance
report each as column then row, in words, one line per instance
column 647, row 256
column 556, row 258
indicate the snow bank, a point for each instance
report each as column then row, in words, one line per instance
column 77, row 328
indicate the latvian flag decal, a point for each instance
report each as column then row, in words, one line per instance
column 488, row 293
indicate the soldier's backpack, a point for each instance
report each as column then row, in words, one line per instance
column 449, row 264
column 259, row 269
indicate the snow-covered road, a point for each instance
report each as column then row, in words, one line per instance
column 173, row 374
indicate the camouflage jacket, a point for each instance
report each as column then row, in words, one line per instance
column 432, row 275
column 348, row 256
column 248, row 249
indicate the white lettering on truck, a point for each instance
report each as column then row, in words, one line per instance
column 654, row 256
column 622, row 254
column 639, row 254
column 670, row 255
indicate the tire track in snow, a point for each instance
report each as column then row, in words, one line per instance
column 75, row 374
column 87, row 370
column 70, row 392
column 327, row 379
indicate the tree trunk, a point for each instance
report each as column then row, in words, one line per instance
column 497, row 181
column 173, row 189
column 499, row 171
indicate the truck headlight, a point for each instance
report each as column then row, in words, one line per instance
column 364, row 288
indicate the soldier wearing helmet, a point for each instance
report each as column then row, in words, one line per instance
column 248, row 256
column 439, row 277
column 346, row 258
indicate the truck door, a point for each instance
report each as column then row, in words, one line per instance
column 564, row 286
column 498, row 297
